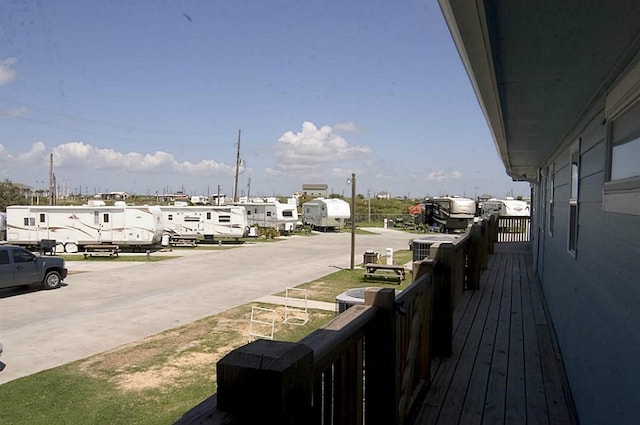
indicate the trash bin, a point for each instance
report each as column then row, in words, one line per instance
column 47, row 246
column 370, row 257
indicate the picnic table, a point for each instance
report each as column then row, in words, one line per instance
column 385, row 271
column 101, row 250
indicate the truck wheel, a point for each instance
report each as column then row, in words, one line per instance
column 51, row 280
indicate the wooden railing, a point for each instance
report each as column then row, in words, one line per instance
column 514, row 229
column 369, row 365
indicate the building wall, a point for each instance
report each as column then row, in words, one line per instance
column 594, row 297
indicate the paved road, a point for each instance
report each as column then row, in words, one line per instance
column 111, row 304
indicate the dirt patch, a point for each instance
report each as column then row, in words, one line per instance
column 179, row 355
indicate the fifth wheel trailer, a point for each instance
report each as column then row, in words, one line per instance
column 450, row 213
column 73, row 227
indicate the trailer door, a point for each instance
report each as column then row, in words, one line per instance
column 41, row 220
column 102, row 220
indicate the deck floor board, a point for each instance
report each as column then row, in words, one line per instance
column 505, row 367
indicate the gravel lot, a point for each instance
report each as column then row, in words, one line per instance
column 107, row 304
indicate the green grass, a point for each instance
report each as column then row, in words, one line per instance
column 328, row 287
column 157, row 379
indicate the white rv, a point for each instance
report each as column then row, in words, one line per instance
column 272, row 213
column 205, row 222
column 505, row 207
column 321, row 213
column 73, row 227
column 3, row 226
column 450, row 212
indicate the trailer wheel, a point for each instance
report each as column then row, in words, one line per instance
column 51, row 280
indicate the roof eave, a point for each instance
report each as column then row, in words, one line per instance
column 468, row 27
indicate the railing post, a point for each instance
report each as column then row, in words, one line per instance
column 484, row 245
column 267, row 382
column 380, row 359
column 493, row 232
column 474, row 255
column 442, row 324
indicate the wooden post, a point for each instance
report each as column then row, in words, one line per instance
column 493, row 232
column 380, row 359
column 474, row 253
column 484, row 245
column 442, row 319
column 422, row 267
column 267, row 382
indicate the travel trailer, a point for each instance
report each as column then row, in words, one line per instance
column 450, row 213
column 204, row 222
column 272, row 213
column 505, row 207
column 73, row 227
column 321, row 213
column 3, row 226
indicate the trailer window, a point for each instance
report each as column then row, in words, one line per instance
column 170, row 217
column 42, row 218
column 96, row 218
column 268, row 213
column 29, row 221
column 208, row 216
column 224, row 219
column 288, row 213
column 105, row 218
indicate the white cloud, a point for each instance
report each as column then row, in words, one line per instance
column 15, row 112
column 82, row 155
column 345, row 127
column 308, row 150
column 35, row 155
column 7, row 73
column 441, row 175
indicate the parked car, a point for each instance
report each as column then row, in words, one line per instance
column 20, row 267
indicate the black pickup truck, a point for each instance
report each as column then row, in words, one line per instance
column 20, row 267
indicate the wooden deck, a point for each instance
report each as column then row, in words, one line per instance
column 506, row 367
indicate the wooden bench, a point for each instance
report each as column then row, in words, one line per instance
column 184, row 241
column 385, row 271
column 101, row 250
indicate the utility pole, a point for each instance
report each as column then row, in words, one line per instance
column 235, row 183
column 52, row 182
column 353, row 219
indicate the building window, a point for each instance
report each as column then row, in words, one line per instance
column 551, row 193
column 573, row 198
column 621, row 189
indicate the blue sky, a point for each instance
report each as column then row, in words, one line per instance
column 148, row 96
